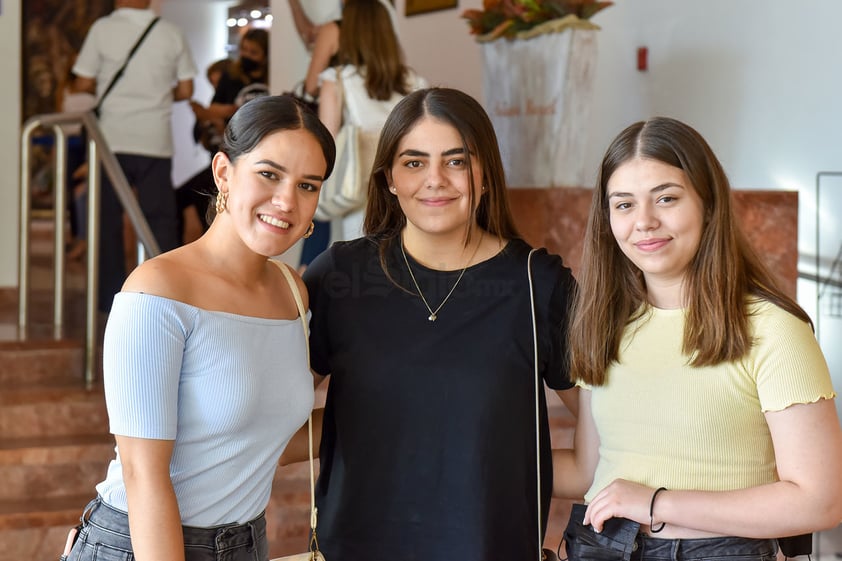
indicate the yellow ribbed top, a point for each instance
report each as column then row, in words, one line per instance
column 664, row 423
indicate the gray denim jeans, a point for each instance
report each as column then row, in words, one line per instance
column 621, row 540
column 105, row 537
column 705, row 549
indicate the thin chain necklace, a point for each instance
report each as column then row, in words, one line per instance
column 434, row 313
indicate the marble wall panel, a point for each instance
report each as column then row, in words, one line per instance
column 556, row 219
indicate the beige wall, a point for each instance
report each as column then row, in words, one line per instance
column 10, row 116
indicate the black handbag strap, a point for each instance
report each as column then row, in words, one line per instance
column 119, row 72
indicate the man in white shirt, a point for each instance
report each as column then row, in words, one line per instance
column 135, row 118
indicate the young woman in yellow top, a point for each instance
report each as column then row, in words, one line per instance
column 707, row 414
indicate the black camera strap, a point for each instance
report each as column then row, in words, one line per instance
column 119, row 73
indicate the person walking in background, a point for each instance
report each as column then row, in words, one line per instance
column 195, row 194
column 243, row 80
column 235, row 83
column 321, row 40
column 306, row 29
column 205, row 361
column 428, row 437
column 323, row 43
column 371, row 77
column 707, row 425
column 74, row 100
column 135, row 119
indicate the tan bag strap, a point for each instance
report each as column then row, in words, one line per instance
column 302, row 314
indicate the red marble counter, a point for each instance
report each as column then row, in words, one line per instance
column 556, row 219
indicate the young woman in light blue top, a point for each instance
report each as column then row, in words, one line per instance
column 205, row 365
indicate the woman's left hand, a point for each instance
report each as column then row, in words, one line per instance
column 620, row 499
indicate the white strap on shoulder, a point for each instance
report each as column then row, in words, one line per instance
column 538, row 389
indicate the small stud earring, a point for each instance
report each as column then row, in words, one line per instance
column 310, row 230
column 392, row 189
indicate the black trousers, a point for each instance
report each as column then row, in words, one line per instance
column 198, row 191
column 151, row 179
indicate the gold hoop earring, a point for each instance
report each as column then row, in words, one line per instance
column 221, row 202
column 310, row 230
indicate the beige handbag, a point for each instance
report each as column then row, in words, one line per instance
column 313, row 554
column 346, row 190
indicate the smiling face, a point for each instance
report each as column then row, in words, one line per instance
column 272, row 190
column 657, row 219
column 430, row 178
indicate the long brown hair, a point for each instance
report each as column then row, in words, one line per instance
column 723, row 276
column 367, row 39
column 384, row 219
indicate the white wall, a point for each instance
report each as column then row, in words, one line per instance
column 288, row 62
column 10, row 88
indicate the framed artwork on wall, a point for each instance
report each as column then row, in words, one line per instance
column 415, row 7
column 52, row 34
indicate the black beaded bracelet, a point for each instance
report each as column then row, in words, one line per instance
column 652, row 528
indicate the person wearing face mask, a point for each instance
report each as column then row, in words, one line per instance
column 244, row 80
column 135, row 120
column 235, row 83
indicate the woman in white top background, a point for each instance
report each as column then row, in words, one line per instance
column 374, row 78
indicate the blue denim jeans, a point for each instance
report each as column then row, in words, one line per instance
column 105, row 537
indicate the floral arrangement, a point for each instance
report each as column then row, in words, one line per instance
column 522, row 19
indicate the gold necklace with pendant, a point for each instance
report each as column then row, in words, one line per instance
column 434, row 313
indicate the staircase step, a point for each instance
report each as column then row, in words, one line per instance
column 57, row 410
column 36, row 529
column 52, row 467
column 41, row 361
column 58, row 511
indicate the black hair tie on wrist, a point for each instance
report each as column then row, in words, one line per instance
column 652, row 528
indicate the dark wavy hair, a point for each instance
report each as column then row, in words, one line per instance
column 264, row 115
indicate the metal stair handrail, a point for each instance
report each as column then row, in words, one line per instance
column 98, row 153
